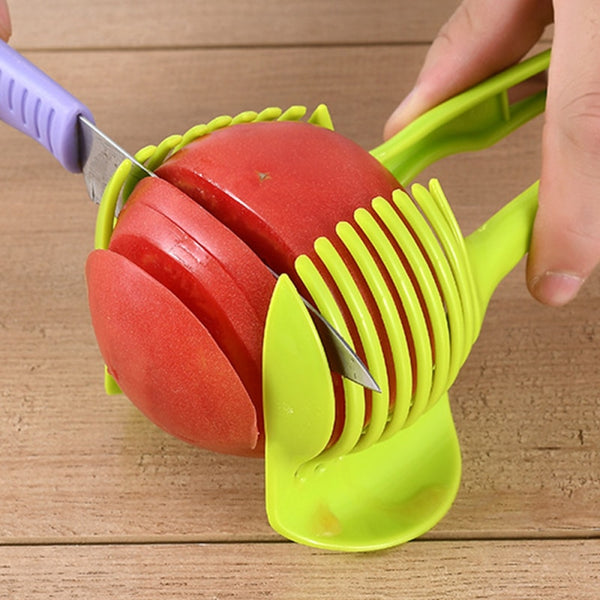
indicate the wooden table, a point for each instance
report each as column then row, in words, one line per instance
column 96, row 502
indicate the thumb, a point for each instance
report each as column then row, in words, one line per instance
column 565, row 245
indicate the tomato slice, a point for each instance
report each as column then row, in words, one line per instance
column 165, row 360
column 165, row 250
column 237, row 258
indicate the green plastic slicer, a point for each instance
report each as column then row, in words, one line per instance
column 393, row 479
column 394, row 469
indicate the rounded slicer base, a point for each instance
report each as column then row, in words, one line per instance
column 384, row 495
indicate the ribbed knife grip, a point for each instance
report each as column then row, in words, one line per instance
column 36, row 105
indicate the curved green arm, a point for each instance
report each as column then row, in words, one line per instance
column 472, row 120
column 496, row 247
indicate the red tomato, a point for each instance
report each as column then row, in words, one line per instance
column 279, row 186
column 271, row 190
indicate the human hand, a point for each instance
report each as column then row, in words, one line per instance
column 486, row 36
column 5, row 25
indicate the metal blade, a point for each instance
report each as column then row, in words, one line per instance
column 342, row 359
column 100, row 158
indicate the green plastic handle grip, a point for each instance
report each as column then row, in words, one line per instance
column 496, row 247
column 472, row 120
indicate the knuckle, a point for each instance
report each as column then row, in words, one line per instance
column 585, row 233
column 580, row 125
column 455, row 29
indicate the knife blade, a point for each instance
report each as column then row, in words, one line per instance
column 33, row 103
column 100, row 157
column 341, row 357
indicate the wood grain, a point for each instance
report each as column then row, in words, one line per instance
column 180, row 23
column 456, row 570
column 96, row 502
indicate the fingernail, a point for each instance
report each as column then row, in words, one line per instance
column 556, row 288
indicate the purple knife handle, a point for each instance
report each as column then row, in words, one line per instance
column 36, row 105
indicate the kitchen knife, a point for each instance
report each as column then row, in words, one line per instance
column 33, row 103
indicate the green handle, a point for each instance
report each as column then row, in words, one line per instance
column 501, row 242
column 472, row 120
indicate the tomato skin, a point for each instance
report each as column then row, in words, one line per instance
column 165, row 360
column 278, row 185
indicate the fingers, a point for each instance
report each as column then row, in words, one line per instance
column 485, row 36
column 566, row 237
column 5, row 24
column 481, row 38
